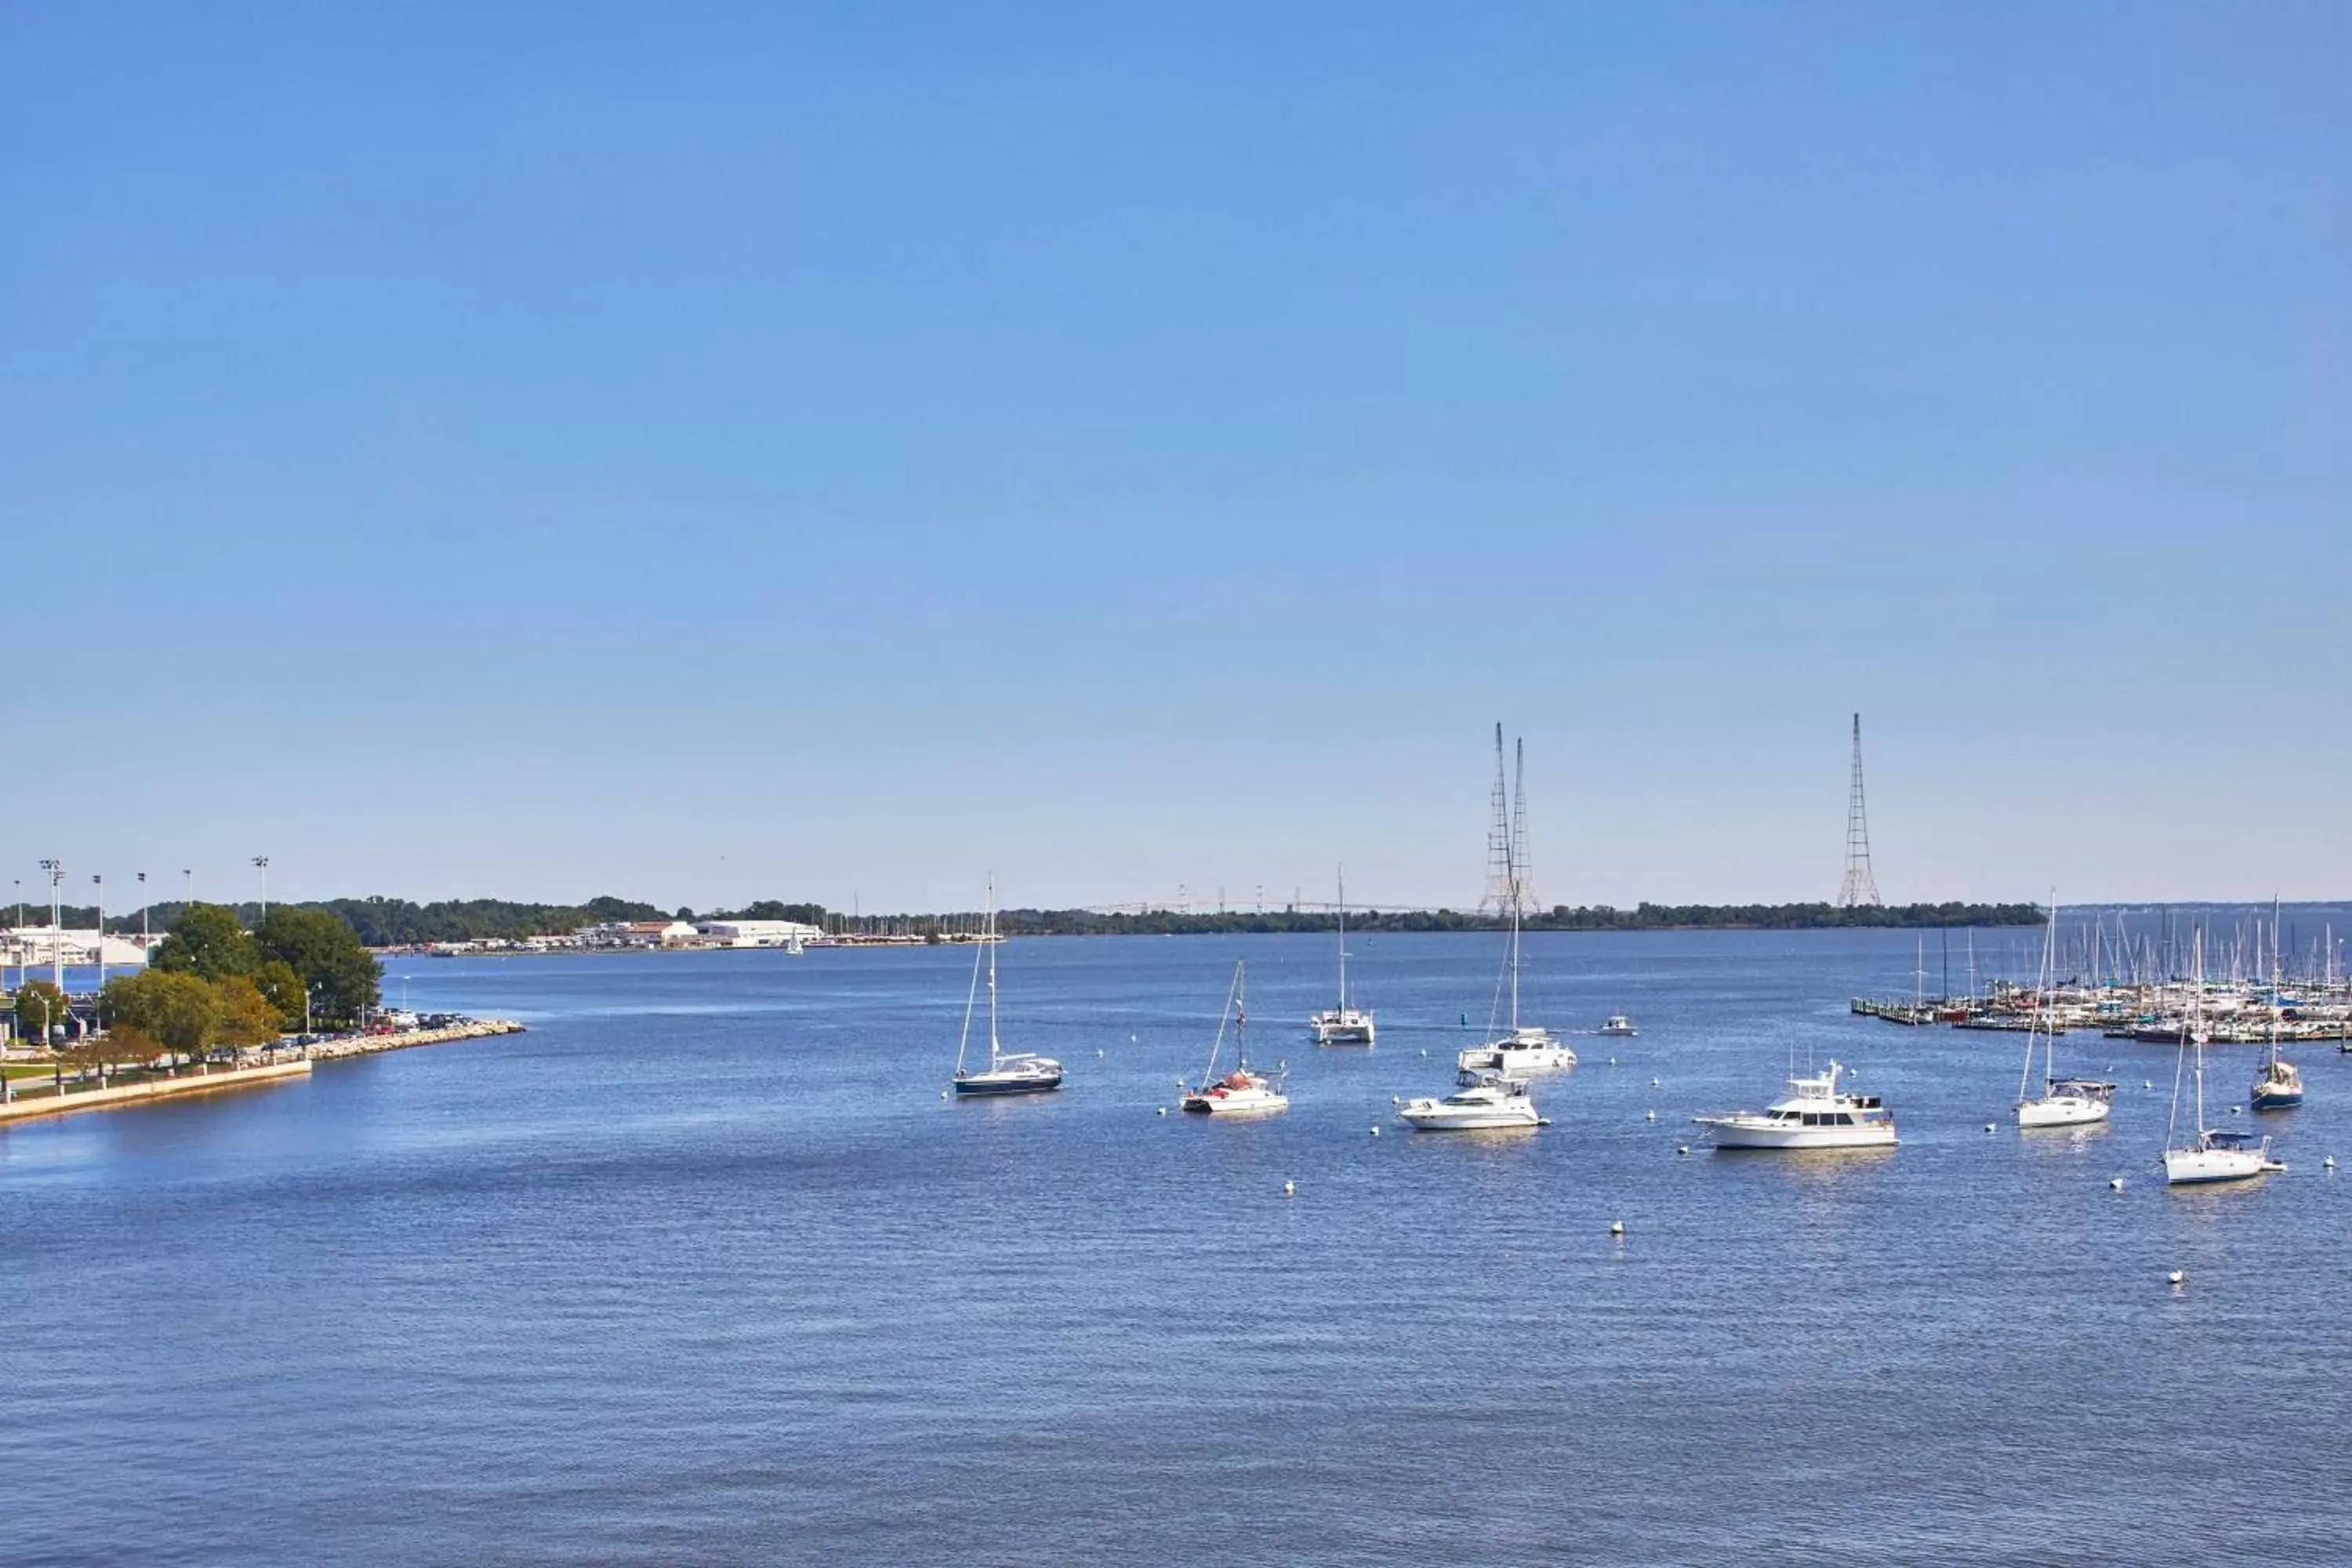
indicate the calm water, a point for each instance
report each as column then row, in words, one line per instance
column 702, row 1269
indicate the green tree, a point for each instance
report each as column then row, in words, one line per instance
column 208, row 942
column 98, row 1051
column 39, row 1007
column 276, row 980
column 182, row 1011
column 325, row 953
column 246, row 1017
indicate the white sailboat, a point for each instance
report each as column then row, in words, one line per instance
column 2064, row 1101
column 1240, row 1092
column 2278, row 1087
column 1343, row 1025
column 2209, row 1154
column 1521, row 1048
column 1020, row 1072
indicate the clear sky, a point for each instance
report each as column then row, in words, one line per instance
column 709, row 451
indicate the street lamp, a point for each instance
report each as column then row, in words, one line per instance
column 143, row 907
column 57, row 870
column 98, row 891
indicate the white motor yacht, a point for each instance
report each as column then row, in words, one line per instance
column 1493, row 1100
column 1019, row 1072
column 1813, row 1114
column 1240, row 1092
column 1619, row 1025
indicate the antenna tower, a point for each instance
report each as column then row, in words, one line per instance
column 1523, row 892
column 1497, row 900
column 1860, row 889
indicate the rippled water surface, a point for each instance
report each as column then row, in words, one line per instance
column 703, row 1269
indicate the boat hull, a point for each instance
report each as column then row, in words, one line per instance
column 1735, row 1133
column 1443, row 1119
column 1235, row 1105
column 2066, row 1110
column 1515, row 1064
column 1343, row 1034
column 2271, row 1100
column 2189, row 1167
column 990, row 1086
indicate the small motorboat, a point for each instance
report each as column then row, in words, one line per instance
column 1492, row 1101
column 1621, row 1026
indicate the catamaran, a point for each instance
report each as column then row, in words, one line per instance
column 2209, row 1154
column 2064, row 1101
column 1343, row 1025
column 1021, row 1072
column 1521, row 1048
column 1240, row 1092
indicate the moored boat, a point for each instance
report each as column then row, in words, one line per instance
column 1491, row 1100
column 1813, row 1113
column 1013, row 1072
column 1240, row 1092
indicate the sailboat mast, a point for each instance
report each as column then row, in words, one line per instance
column 1343, row 939
column 2041, row 1001
column 2049, row 1002
column 994, row 1052
column 2197, row 1022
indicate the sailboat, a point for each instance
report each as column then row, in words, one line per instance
column 2209, row 1154
column 2279, row 1087
column 1021, row 1072
column 1240, row 1092
column 1522, row 1048
column 1343, row 1025
column 2064, row 1101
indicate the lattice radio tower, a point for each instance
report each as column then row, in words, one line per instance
column 1497, row 900
column 1523, row 887
column 1860, row 889
column 1507, row 881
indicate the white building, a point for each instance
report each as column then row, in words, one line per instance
column 40, row 947
column 638, row 934
column 758, row 934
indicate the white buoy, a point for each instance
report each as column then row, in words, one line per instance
column 943, row 1094
column 1290, row 1189
column 1988, row 1127
column 2115, row 1184
column 1650, row 1116
column 2175, row 1278
column 1682, row 1148
column 1653, row 1083
column 2148, row 1083
column 1424, row 1050
column 1612, row 1061
column 2329, row 1163
column 1163, row 1110
column 2236, row 1110
column 1376, row 1131
column 1617, row 1227
column 1097, row 1051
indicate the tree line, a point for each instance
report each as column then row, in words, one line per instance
column 211, row 981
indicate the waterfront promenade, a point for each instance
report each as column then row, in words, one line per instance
column 36, row 1100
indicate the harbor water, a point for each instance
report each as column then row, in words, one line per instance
column 704, row 1269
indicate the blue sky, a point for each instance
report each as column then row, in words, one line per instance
column 713, row 451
